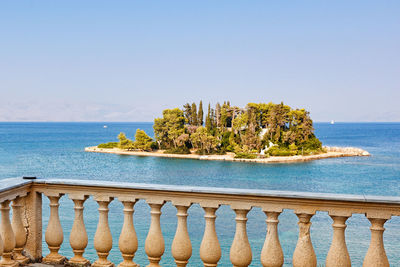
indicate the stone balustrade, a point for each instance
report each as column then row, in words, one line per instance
column 21, row 236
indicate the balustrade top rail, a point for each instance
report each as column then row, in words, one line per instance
column 253, row 197
column 221, row 190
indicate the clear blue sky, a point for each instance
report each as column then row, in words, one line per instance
column 128, row 60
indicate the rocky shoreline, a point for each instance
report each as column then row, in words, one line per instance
column 332, row 152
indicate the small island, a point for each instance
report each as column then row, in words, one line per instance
column 264, row 133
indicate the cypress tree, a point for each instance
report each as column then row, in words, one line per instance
column 208, row 118
column 212, row 119
column 200, row 114
column 187, row 112
column 218, row 115
column 194, row 115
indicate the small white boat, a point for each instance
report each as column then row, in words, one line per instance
column 105, row 126
column 332, row 122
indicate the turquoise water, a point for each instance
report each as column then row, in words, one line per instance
column 56, row 150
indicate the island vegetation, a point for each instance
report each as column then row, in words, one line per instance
column 255, row 131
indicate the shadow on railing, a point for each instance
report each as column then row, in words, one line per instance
column 21, row 240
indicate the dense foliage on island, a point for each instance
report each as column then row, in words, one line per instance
column 258, row 130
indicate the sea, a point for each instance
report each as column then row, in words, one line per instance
column 56, row 150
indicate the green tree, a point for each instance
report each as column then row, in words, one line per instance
column 277, row 121
column 194, row 115
column 211, row 144
column 168, row 128
column 142, row 140
column 182, row 139
column 203, row 141
column 187, row 112
column 161, row 132
column 200, row 114
column 224, row 117
column 250, row 139
column 218, row 115
column 212, row 119
column 208, row 119
column 124, row 142
column 240, row 123
column 264, row 113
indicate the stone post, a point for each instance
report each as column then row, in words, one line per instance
column 103, row 237
column 210, row 249
column 54, row 232
column 128, row 243
column 19, row 231
column 376, row 255
column 304, row 255
column 8, row 236
column 272, row 253
column 154, row 245
column 181, row 248
column 338, row 255
column 78, row 238
column 240, row 254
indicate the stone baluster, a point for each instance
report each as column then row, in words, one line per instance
column 210, row 249
column 128, row 242
column 7, row 235
column 103, row 237
column 78, row 238
column 376, row 255
column 338, row 255
column 304, row 255
column 54, row 232
column 272, row 253
column 240, row 254
column 181, row 248
column 154, row 244
column 19, row 231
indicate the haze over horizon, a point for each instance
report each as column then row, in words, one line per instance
column 127, row 61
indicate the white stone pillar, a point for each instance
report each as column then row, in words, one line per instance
column 338, row 255
column 272, row 253
column 304, row 255
column 181, row 248
column 103, row 237
column 19, row 231
column 78, row 238
column 154, row 245
column 128, row 242
column 54, row 233
column 376, row 255
column 210, row 249
column 8, row 236
column 240, row 254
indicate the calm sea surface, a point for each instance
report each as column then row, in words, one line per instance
column 56, row 150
